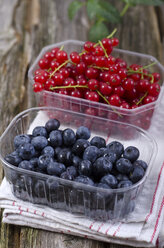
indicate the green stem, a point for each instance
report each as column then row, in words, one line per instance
column 113, row 32
column 69, row 87
column 98, row 67
column 106, row 55
column 126, row 7
column 141, row 99
column 147, row 66
column 59, row 67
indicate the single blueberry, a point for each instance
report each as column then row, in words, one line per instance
column 103, row 151
column 84, row 179
column 124, row 166
column 137, row 174
column 101, row 167
column 39, row 189
column 34, row 162
column 116, row 147
column 25, row 164
column 122, row 177
column 56, row 151
column 131, row 153
column 79, row 147
column 43, row 161
column 21, row 139
column 85, row 168
column 55, row 168
column 56, row 139
column 98, row 141
column 69, row 137
column 110, row 180
column 83, row 133
column 76, row 161
column 39, row 142
column 124, row 184
column 91, row 153
column 72, row 171
column 112, row 156
column 13, row 158
column 103, row 185
column 40, row 131
column 67, row 176
column 65, row 156
column 141, row 163
column 52, row 124
column 48, row 150
column 26, row 151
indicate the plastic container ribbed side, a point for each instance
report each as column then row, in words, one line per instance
column 61, row 194
column 140, row 117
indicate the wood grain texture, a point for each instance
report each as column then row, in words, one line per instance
column 27, row 26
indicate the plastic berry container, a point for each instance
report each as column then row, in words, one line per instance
column 140, row 116
column 73, row 197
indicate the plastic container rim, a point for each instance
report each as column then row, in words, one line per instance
column 73, row 183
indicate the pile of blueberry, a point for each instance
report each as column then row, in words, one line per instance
column 70, row 155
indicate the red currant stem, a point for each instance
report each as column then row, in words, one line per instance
column 147, row 66
column 59, row 67
column 106, row 55
column 141, row 99
column 61, row 48
column 98, row 67
column 50, row 69
column 124, row 10
column 107, row 102
column 113, row 32
column 69, row 87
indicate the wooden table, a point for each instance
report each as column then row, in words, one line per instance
column 25, row 27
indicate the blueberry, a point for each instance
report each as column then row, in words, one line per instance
column 131, row 153
column 39, row 189
column 91, row 153
column 67, row 176
column 25, row 164
column 21, row 139
column 112, row 156
column 141, row 163
column 26, row 151
column 79, row 147
column 69, row 137
column 39, row 142
column 103, row 185
column 83, row 133
column 55, row 168
column 13, row 158
column 98, row 141
column 40, row 131
column 110, row 180
column 48, row 150
column 34, row 162
column 84, row 179
column 101, row 167
column 56, row 139
column 116, row 147
column 72, row 171
column 56, row 151
column 122, row 177
column 103, row 151
column 137, row 174
column 52, row 124
column 65, row 156
column 76, row 161
column 43, row 161
column 85, row 168
column 124, row 165
column 124, row 184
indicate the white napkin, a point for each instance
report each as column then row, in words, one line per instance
column 144, row 227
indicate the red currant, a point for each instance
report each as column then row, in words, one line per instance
column 43, row 63
column 76, row 93
column 156, row 77
column 148, row 99
column 58, row 79
column 49, row 56
column 115, row 100
column 100, row 61
column 37, row 87
column 125, row 105
column 154, row 89
column 91, row 73
column 144, row 85
column 114, row 80
column 69, row 81
column 93, row 84
column 128, row 84
column 115, row 41
column 55, row 50
column 54, row 65
column 61, row 56
column 105, row 88
column 119, row 91
column 89, row 46
column 49, row 83
column 64, row 72
column 75, row 57
column 92, row 96
column 80, row 68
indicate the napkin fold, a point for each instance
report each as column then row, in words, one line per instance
column 144, row 227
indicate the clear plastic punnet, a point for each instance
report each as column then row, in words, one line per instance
column 65, row 195
column 140, row 116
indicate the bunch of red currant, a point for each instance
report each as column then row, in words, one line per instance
column 96, row 75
